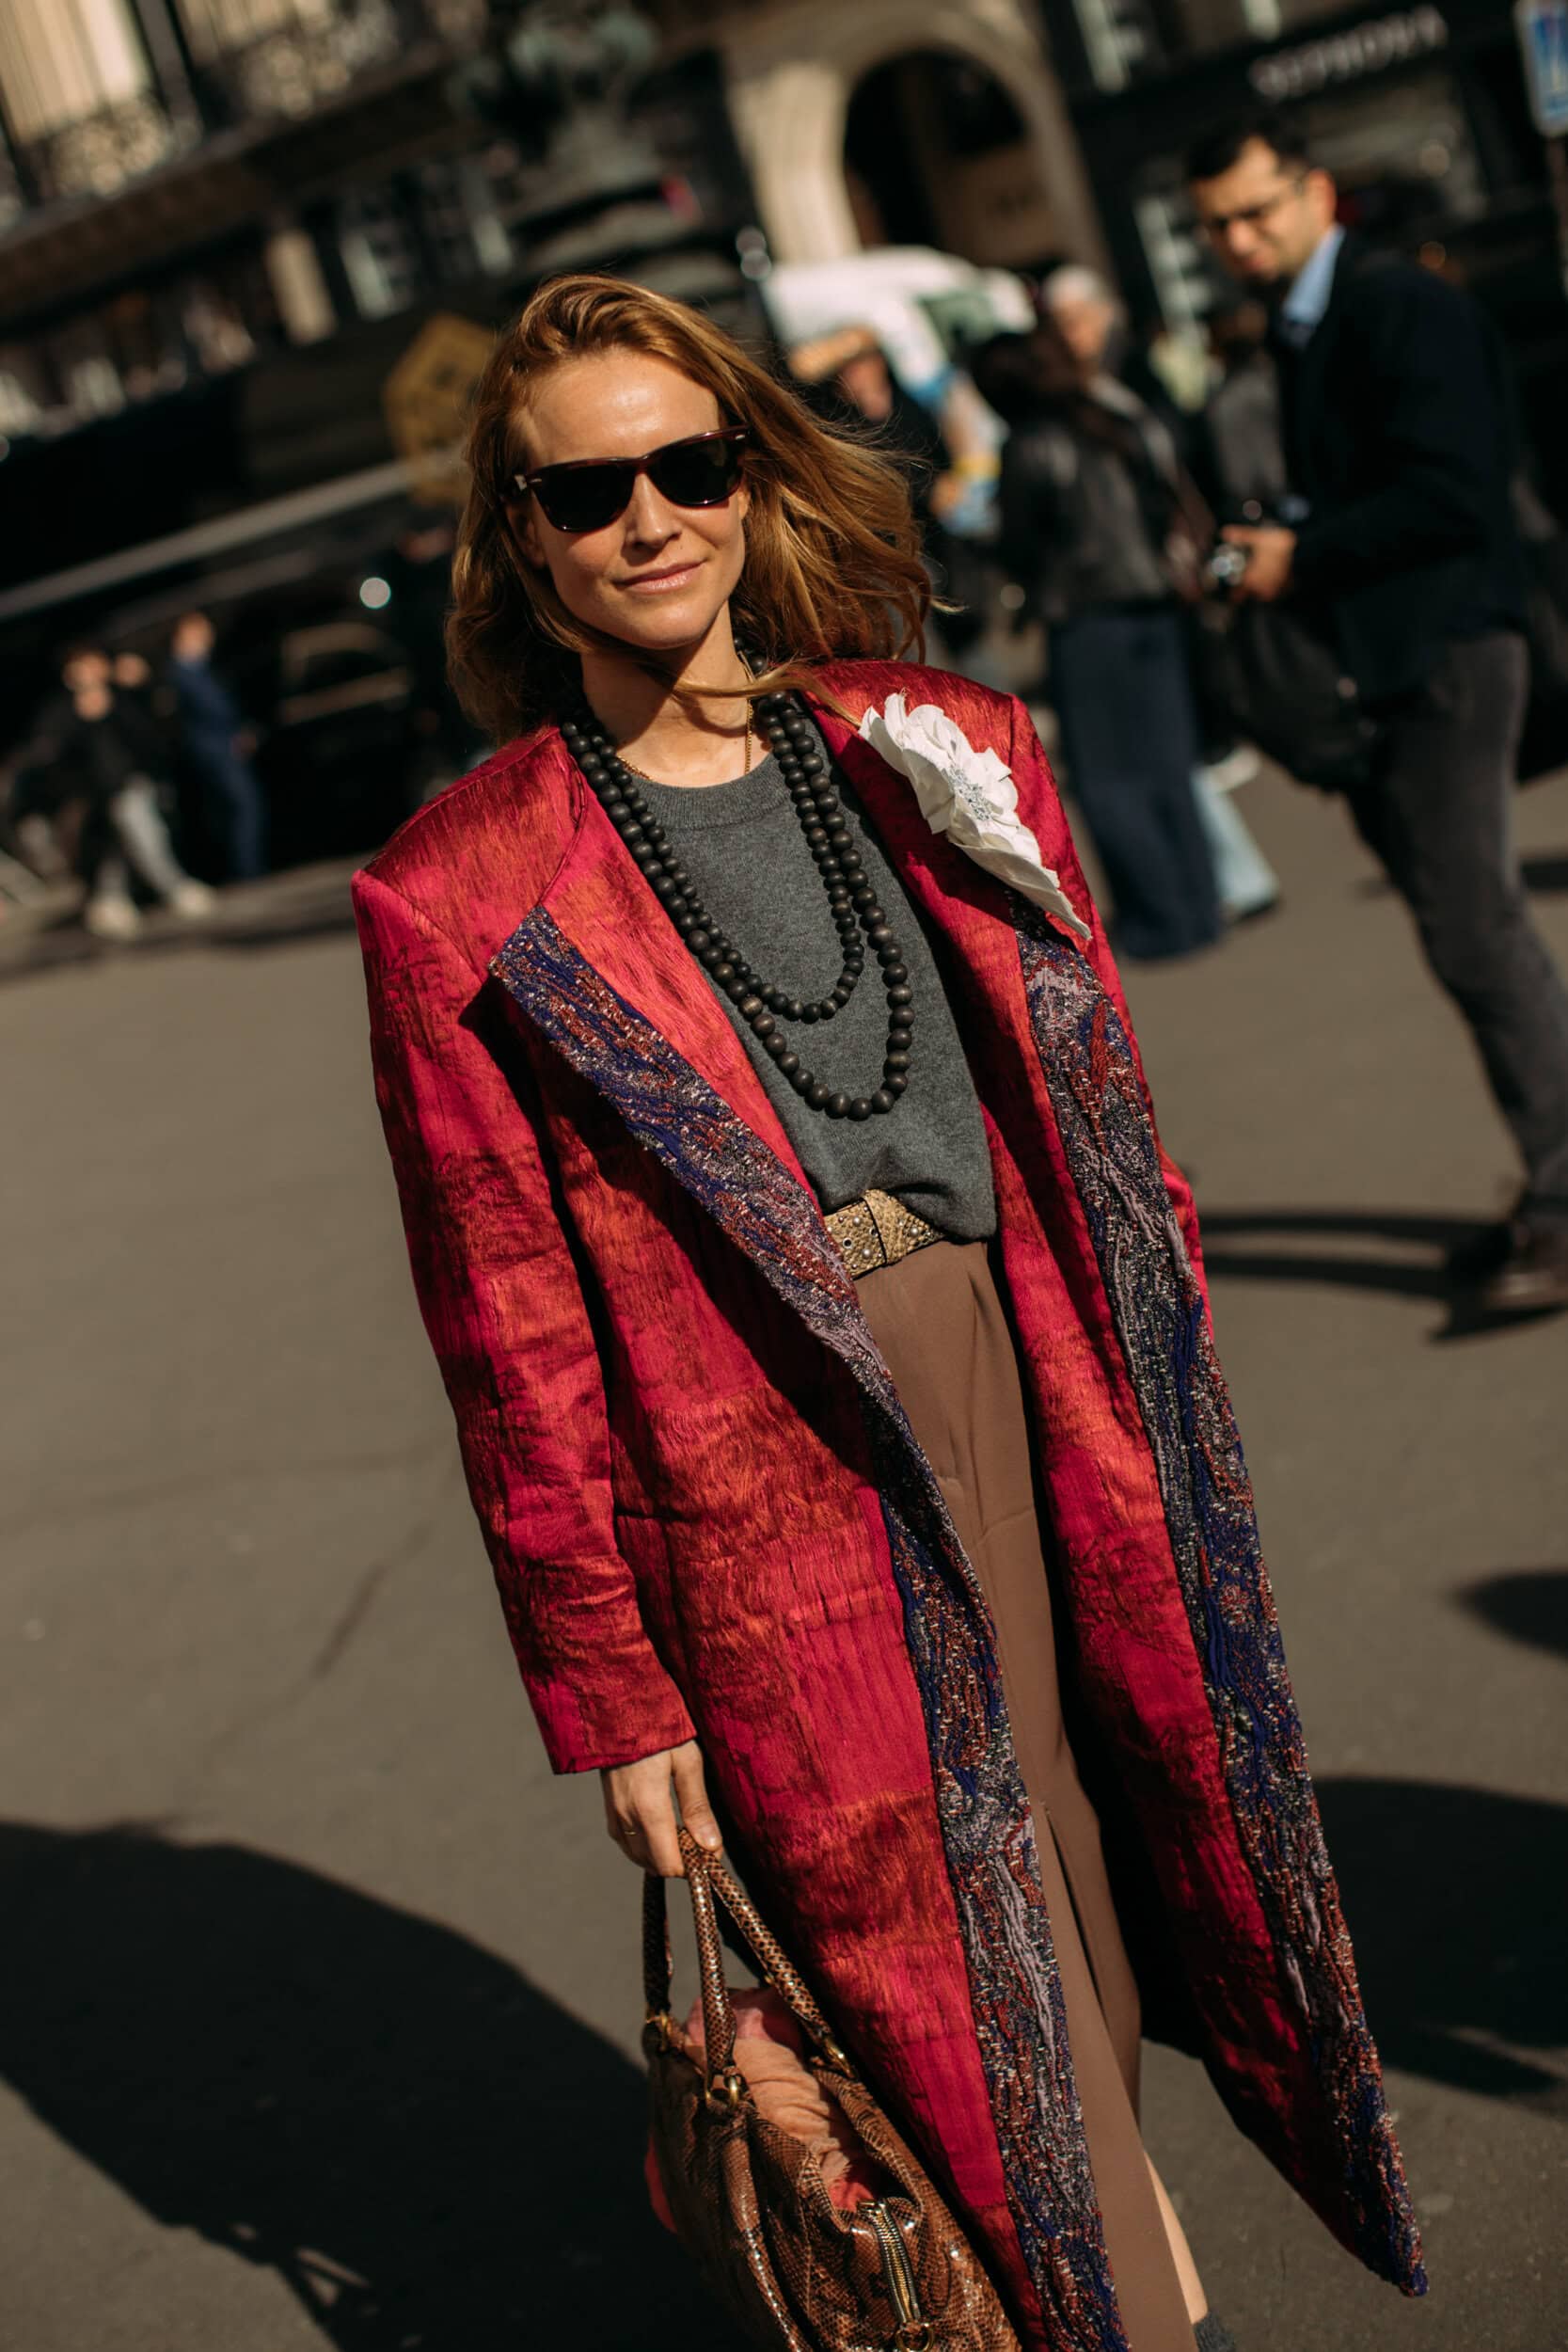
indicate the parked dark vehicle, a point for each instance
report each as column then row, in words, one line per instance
column 339, row 750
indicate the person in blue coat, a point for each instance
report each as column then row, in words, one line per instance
column 213, row 731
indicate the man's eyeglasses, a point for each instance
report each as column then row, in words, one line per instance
column 703, row 470
column 1251, row 215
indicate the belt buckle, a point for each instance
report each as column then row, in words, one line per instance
column 878, row 1230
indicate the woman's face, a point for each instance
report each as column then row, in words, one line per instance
column 659, row 576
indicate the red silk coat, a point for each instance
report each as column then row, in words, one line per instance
column 707, row 1516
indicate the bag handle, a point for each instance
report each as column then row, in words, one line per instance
column 706, row 1877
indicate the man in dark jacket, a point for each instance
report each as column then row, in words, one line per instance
column 1399, row 450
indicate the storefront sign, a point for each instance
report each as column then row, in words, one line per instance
column 1543, row 38
column 1369, row 47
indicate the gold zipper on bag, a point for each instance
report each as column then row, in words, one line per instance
column 913, row 2331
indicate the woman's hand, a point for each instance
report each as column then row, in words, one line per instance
column 639, row 1807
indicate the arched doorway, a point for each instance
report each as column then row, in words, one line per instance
column 792, row 72
column 936, row 152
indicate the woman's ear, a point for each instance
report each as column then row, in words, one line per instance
column 523, row 524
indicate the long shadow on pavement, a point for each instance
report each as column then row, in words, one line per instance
column 1531, row 1604
column 433, row 2156
column 1397, row 1251
column 1458, row 1906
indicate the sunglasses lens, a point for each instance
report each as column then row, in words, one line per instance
column 697, row 473
column 584, row 498
column 689, row 474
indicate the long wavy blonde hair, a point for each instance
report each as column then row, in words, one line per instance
column 832, row 553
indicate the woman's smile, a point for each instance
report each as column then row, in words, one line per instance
column 660, row 583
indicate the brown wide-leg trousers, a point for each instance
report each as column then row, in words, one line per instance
column 938, row 1320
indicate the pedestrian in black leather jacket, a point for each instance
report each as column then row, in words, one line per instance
column 1096, row 530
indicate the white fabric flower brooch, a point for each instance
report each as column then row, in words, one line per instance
column 968, row 795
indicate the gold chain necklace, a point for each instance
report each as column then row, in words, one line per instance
column 642, row 776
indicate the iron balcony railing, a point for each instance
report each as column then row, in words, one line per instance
column 93, row 93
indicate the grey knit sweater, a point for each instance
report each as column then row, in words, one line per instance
column 743, row 846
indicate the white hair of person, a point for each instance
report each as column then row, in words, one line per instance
column 1074, row 282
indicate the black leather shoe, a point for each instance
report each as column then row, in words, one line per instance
column 1483, row 1249
column 1213, row 2335
column 1531, row 1277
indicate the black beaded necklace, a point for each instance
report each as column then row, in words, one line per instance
column 859, row 920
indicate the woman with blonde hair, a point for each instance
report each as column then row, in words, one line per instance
column 825, row 1328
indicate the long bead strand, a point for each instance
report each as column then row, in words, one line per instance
column 860, row 921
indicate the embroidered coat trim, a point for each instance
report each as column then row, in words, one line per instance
column 1161, row 1320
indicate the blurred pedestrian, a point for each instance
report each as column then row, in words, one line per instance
column 1401, row 448
column 218, row 745
column 417, row 570
column 848, row 374
column 1238, row 450
column 1096, row 531
column 802, row 1317
column 106, row 733
column 1238, row 460
column 1087, row 314
column 1093, row 324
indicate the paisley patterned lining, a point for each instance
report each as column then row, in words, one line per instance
column 1157, row 1307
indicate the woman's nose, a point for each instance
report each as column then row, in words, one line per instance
column 648, row 521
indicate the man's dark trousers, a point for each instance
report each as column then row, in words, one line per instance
column 1440, row 818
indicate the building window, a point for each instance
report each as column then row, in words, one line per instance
column 24, row 392
column 1125, row 40
column 1119, row 40
column 464, row 233
column 379, row 251
column 146, row 342
column 78, row 96
column 287, row 57
column 62, row 61
column 1216, row 24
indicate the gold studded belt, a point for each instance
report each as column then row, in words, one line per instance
column 876, row 1231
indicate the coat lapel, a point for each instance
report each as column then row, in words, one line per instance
column 602, row 906
column 970, row 911
column 1301, row 370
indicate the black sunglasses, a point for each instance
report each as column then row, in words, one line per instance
column 702, row 471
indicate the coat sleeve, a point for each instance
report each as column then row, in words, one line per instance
column 503, row 1305
column 1436, row 416
column 1041, row 806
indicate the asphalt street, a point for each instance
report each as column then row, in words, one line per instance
column 319, row 1996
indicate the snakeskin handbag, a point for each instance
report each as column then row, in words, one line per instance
column 748, row 2200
